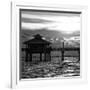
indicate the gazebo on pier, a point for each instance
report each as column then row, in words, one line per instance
column 38, row 46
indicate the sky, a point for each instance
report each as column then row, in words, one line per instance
column 36, row 20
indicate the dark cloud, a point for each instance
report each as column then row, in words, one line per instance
column 48, row 13
column 34, row 20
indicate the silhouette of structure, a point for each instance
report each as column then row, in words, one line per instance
column 39, row 46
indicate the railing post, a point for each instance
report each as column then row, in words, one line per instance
column 62, row 51
column 79, row 54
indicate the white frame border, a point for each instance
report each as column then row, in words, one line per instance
column 15, row 82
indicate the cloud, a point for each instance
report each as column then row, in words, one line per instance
column 33, row 26
column 52, row 18
column 64, row 27
column 42, row 13
column 34, row 20
column 50, row 22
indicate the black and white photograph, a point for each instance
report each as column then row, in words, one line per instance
column 49, row 43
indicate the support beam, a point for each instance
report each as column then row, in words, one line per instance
column 30, row 57
column 49, row 56
column 40, row 56
column 79, row 55
column 62, row 55
column 26, row 58
column 62, row 51
column 45, row 56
